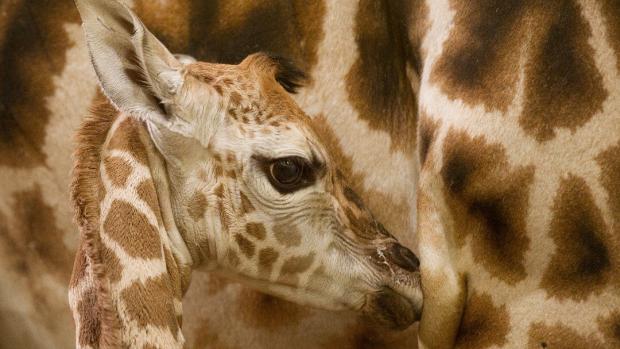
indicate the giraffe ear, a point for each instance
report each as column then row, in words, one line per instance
column 136, row 71
column 287, row 74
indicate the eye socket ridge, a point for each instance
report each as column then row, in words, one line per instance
column 288, row 174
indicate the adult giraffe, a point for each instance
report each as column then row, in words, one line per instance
column 519, row 141
column 47, row 87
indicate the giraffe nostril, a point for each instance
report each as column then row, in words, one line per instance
column 404, row 258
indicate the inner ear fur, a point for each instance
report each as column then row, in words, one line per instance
column 136, row 71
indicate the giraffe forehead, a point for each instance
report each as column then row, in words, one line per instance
column 241, row 142
column 247, row 84
column 257, row 109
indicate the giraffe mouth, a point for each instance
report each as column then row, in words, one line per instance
column 390, row 309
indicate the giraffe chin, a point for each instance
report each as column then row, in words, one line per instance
column 390, row 309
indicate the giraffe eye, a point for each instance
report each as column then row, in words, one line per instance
column 287, row 173
column 290, row 173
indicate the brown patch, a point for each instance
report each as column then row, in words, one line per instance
column 377, row 83
column 257, row 230
column 581, row 262
column 610, row 327
column 295, row 265
column 246, row 246
column 611, row 13
column 219, row 171
column 233, row 258
column 427, row 131
column 219, row 191
column 564, row 89
column 481, row 52
column 151, row 303
column 489, row 203
column 146, row 192
column 127, row 138
column 483, row 325
column 231, row 158
column 253, row 306
column 197, row 206
column 39, row 238
column 228, row 31
column 132, row 231
column 225, row 216
column 233, row 113
column 235, row 98
column 559, row 337
column 287, row 235
column 266, row 258
column 117, row 169
column 113, row 267
column 246, row 205
column 218, row 89
column 217, row 158
column 90, row 326
column 33, row 46
column 245, row 120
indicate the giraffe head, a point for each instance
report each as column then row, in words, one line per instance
column 252, row 189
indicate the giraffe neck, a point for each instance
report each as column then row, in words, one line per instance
column 131, row 251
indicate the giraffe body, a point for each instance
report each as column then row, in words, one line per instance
column 518, row 140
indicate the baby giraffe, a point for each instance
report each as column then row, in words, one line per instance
column 195, row 165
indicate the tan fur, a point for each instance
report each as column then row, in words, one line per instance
column 86, row 197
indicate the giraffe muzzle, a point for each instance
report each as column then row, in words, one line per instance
column 390, row 309
column 397, row 301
